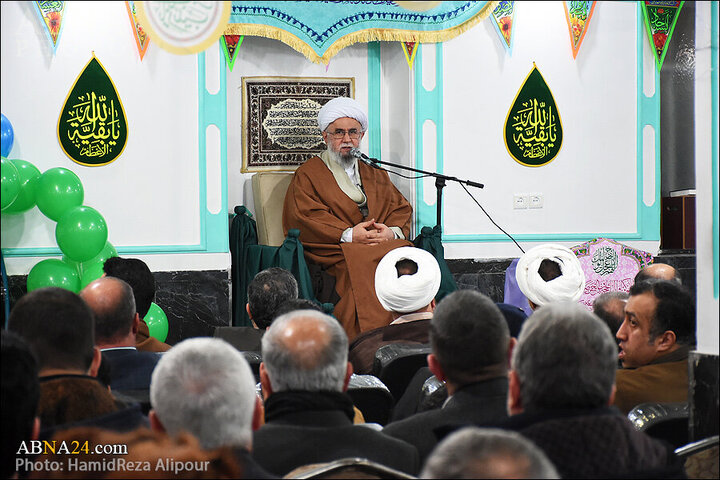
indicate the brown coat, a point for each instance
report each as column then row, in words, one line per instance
column 145, row 343
column 664, row 380
column 316, row 205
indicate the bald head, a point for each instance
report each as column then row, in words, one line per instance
column 305, row 350
column 113, row 303
column 661, row 271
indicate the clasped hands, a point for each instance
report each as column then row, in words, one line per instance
column 371, row 233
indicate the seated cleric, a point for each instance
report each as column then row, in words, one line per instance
column 349, row 215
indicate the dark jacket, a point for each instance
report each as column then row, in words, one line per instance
column 130, row 369
column 477, row 403
column 296, row 436
column 363, row 348
column 596, row 443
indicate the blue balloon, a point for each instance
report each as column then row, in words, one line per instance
column 6, row 136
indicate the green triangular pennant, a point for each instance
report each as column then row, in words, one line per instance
column 231, row 44
column 660, row 19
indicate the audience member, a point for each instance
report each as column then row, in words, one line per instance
column 205, row 386
column 514, row 316
column 610, row 307
column 474, row 452
column 655, row 340
column 138, row 454
column 296, row 304
column 660, row 271
column 60, row 329
column 116, row 327
column 137, row 274
column 308, row 415
column 406, row 282
column 470, row 351
column 550, row 273
column 20, row 393
column 267, row 290
column 561, row 386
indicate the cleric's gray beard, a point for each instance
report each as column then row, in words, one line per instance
column 345, row 161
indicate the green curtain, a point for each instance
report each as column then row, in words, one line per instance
column 430, row 239
column 249, row 258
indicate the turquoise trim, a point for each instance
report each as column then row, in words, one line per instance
column 374, row 99
column 428, row 105
column 714, row 83
column 214, row 229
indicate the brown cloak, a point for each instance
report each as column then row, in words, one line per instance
column 316, row 205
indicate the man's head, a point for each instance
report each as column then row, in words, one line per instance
column 474, row 452
column 565, row 358
column 296, row 304
column 305, row 350
column 205, row 386
column 550, row 273
column 343, row 123
column 267, row 290
column 407, row 280
column 113, row 303
column 660, row 271
column 469, row 338
column 659, row 318
column 20, row 396
column 136, row 274
column 610, row 307
column 60, row 329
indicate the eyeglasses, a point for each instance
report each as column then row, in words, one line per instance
column 353, row 133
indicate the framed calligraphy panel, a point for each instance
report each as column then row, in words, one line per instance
column 279, row 121
column 92, row 127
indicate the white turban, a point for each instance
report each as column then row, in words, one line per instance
column 340, row 107
column 407, row 293
column 567, row 287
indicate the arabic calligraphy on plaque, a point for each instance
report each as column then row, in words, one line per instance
column 533, row 130
column 92, row 129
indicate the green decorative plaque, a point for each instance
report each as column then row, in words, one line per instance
column 92, row 128
column 533, row 130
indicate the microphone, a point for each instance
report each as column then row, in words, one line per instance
column 355, row 152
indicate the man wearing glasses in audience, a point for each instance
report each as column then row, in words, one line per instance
column 349, row 215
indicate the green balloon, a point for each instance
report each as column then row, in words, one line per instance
column 25, row 199
column 10, row 183
column 76, row 265
column 99, row 259
column 157, row 322
column 58, row 190
column 90, row 274
column 53, row 273
column 81, row 233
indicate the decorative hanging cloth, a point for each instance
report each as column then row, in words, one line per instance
column 660, row 19
column 410, row 49
column 231, row 44
column 52, row 14
column 141, row 38
column 503, row 19
column 578, row 15
column 320, row 29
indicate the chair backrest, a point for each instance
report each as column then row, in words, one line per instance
column 701, row 458
column 269, row 189
column 396, row 363
column 347, row 468
column 432, row 395
column 667, row 421
column 372, row 397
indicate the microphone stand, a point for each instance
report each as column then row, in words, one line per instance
column 440, row 179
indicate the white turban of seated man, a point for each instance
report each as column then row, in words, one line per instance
column 567, row 287
column 341, row 107
column 407, row 293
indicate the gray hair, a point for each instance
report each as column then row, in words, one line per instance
column 206, row 387
column 468, row 333
column 474, row 452
column 310, row 370
column 565, row 358
column 113, row 306
column 603, row 308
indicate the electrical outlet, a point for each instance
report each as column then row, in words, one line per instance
column 520, row 201
column 536, row 200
